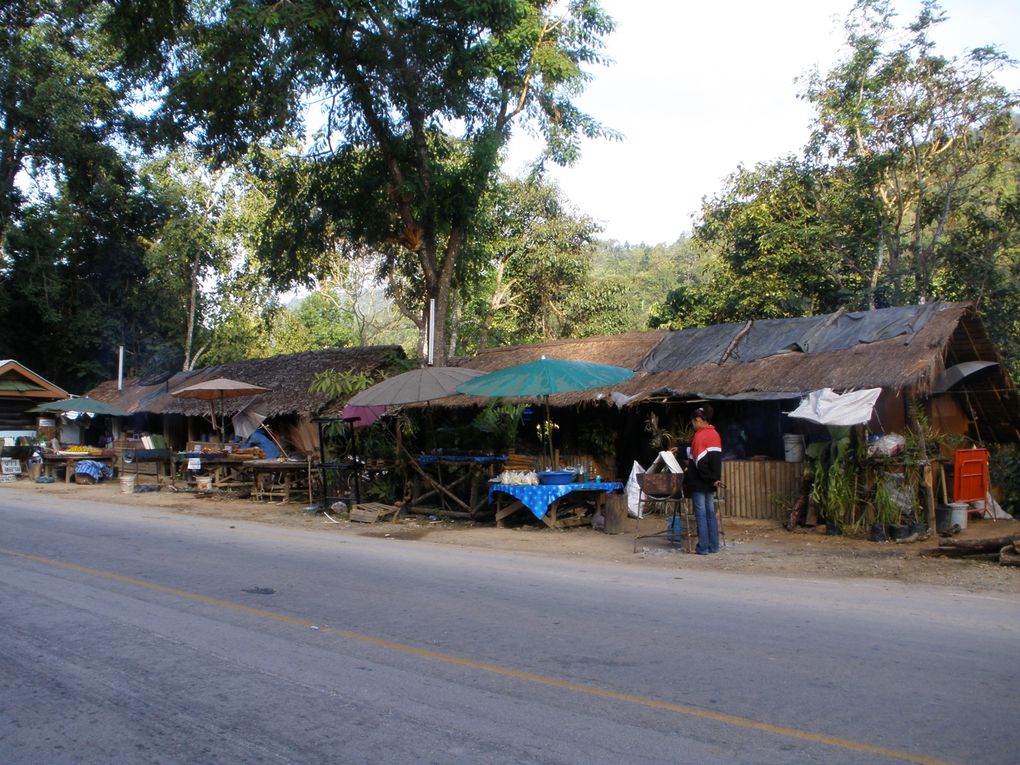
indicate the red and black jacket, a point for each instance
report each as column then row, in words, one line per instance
column 705, row 454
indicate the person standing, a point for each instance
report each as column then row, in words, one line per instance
column 704, row 476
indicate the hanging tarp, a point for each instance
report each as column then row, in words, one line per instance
column 826, row 407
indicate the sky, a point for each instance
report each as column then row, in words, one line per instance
column 700, row 87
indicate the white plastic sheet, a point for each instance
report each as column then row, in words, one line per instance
column 826, row 407
column 633, row 491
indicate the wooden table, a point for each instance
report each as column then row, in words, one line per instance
column 280, row 480
column 227, row 471
column 543, row 501
column 458, row 482
column 52, row 461
column 160, row 459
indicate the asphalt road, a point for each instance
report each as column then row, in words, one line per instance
column 140, row 636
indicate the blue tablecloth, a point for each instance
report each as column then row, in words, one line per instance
column 538, row 498
column 429, row 459
column 93, row 469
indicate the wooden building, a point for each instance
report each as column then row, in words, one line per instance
column 20, row 390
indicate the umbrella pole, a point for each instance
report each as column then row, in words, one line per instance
column 212, row 413
column 548, row 432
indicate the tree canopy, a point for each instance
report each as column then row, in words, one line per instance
column 416, row 101
column 906, row 191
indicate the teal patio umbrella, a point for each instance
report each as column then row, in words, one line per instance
column 544, row 378
column 82, row 404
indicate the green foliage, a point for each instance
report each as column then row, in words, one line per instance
column 383, row 172
column 527, row 274
column 340, row 385
column 1004, row 473
column 921, row 133
column 501, row 421
column 645, row 274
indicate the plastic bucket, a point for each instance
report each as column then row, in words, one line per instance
column 958, row 514
column 943, row 518
column 793, row 447
column 127, row 484
column 203, row 482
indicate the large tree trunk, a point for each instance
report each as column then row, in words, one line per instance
column 192, row 312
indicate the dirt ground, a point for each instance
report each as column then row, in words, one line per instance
column 751, row 547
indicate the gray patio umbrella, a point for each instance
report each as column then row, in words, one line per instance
column 418, row 385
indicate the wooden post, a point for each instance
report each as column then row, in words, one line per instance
column 928, row 479
column 614, row 508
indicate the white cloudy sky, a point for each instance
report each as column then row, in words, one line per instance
column 698, row 88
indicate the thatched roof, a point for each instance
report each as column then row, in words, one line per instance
column 289, row 376
column 898, row 349
column 625, row 350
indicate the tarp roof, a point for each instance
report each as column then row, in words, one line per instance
column 756, row 340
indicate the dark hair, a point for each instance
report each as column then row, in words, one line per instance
column 704, row 412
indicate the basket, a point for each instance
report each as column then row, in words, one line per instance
column 661, row 484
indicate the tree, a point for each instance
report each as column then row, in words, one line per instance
column 203, row 258
column 527, row 273
column 923, row 132
column 61, row 106
column 395, row 81
column 644, row 273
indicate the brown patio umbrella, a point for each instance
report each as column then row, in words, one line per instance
column 217, row 390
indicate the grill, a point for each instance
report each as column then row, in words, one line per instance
column 661, row 484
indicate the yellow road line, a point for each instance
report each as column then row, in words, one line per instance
column 553, row 682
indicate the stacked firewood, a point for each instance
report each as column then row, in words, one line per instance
column 1004, row 549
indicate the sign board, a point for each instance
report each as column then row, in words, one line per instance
column 194, row 463
column 10, row 466
column 7, row 478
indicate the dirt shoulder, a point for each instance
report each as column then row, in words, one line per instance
column 752, row 547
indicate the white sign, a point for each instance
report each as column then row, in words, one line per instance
column 194, row 463
column 10, row 466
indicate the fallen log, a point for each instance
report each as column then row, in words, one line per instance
column 979, row 545
column 1008, row 556
column 946, row 552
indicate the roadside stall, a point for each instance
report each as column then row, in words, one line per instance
column 90, row 463
column 547, row 496
column 419, row 386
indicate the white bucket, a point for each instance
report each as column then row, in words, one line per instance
column 203, row 482
column 793, row 447
column 958, row 514
column 127, row 484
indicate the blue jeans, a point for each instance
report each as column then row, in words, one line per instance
column 708, row 524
